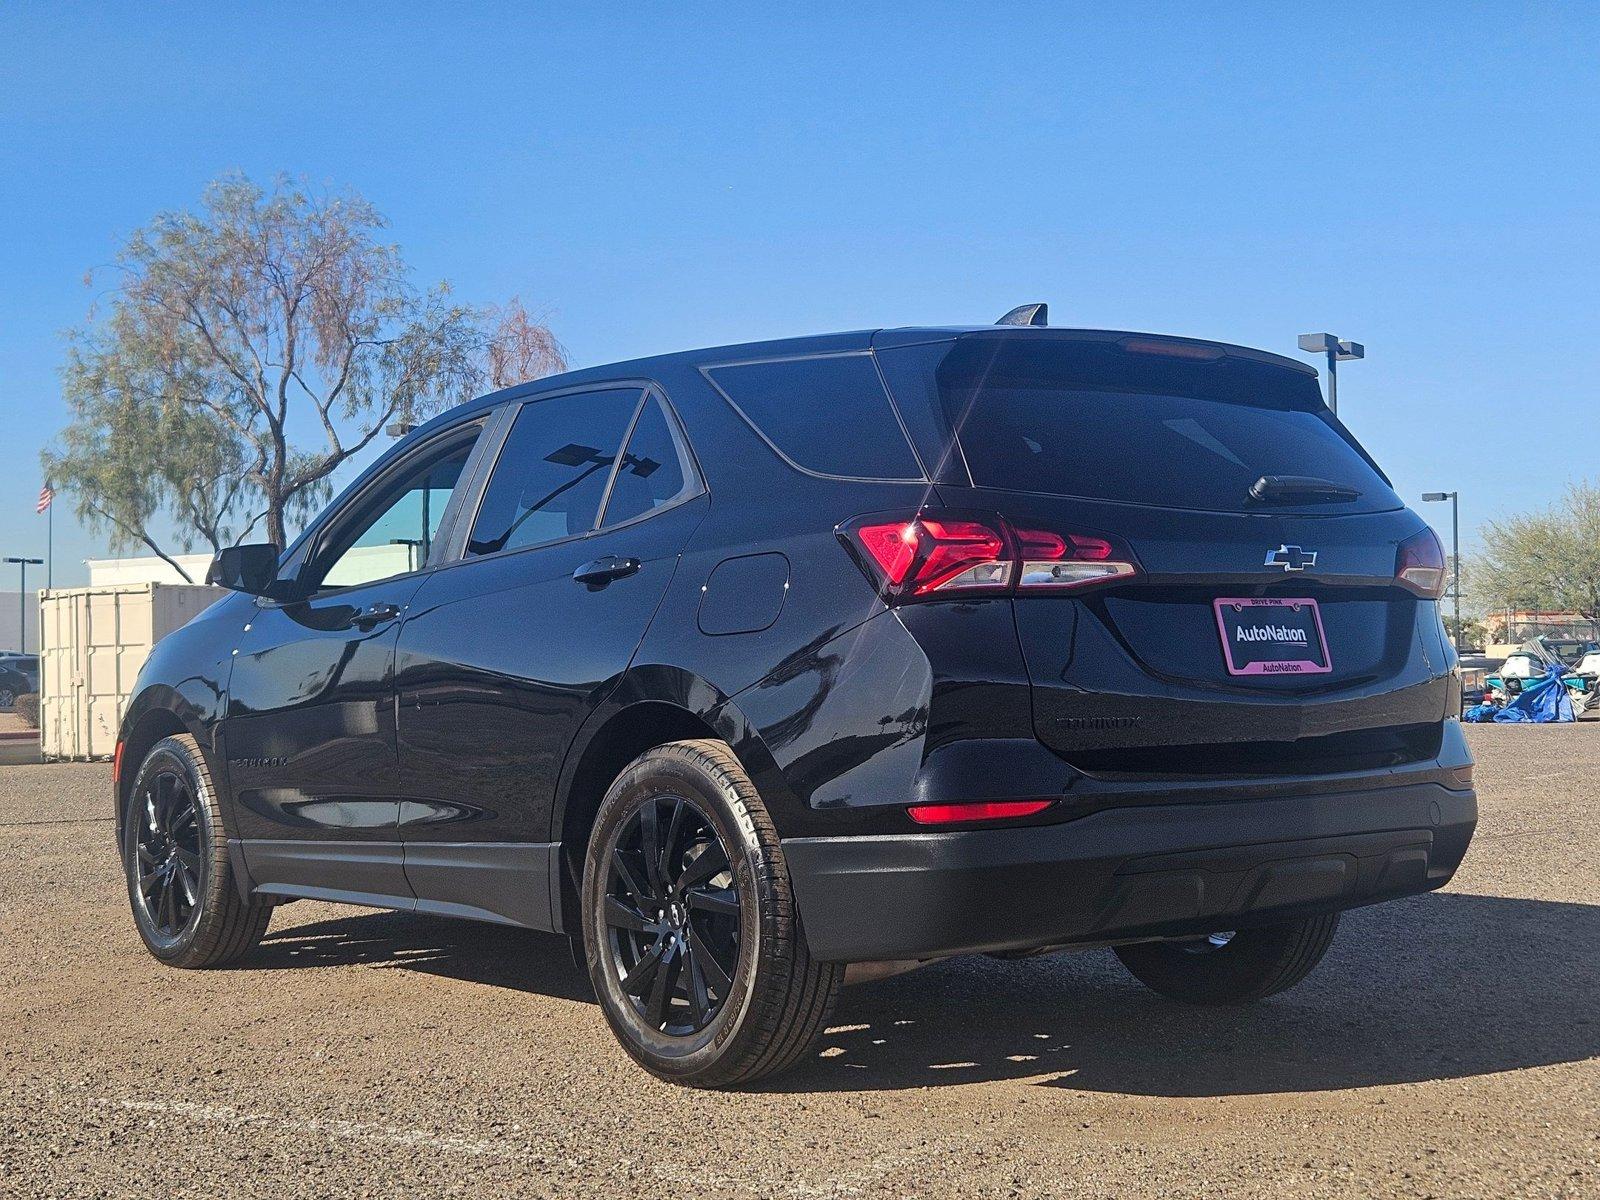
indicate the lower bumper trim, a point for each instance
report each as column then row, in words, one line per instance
column 1125, row 874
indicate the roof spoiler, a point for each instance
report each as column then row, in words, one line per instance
column 1027, row 314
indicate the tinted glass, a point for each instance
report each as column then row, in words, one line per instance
column 829, row 415
column 651, row 473
column 553, row 469
column 1092, row 421
column 399, row 535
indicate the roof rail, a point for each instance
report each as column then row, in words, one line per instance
column 1027, row 314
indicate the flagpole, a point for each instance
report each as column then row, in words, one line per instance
column 50, row 545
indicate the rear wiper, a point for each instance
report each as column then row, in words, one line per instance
column 1284, row 489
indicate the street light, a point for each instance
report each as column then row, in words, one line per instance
column 1455, row 551
column 1338, row 351
column 22, row 600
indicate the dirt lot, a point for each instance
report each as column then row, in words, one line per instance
column 1447, row 1047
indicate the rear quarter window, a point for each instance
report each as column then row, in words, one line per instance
column 828, row 415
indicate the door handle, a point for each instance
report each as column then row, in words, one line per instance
column 374, row 616
column 603, row 570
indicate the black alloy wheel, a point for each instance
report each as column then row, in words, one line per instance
column 691, row 935
column 187, row 903
column 167, row 846
column 672, row 916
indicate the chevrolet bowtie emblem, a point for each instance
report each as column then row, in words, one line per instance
column 1291, row 558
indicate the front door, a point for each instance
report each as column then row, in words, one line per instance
column 507, row 651
column 310, row 729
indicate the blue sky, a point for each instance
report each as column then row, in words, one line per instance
column 1424, row 181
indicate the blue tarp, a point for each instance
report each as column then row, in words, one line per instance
column 1540, row 702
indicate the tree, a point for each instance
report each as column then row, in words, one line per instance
column 520, row 348
column 1546, row 560
column 1470, row 633
column 125, row 461
column 253, row 347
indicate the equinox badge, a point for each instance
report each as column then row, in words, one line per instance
column 1291, row 558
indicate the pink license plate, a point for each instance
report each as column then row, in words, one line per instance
column 1272, row 637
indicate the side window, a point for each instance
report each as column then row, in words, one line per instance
column 652, row 471
column 397, row 536
column 829, row 415
column 553, row 470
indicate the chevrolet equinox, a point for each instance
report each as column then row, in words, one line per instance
column 760, row 668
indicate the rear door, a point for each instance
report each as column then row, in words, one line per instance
column 509, row 649
column 1159, row 444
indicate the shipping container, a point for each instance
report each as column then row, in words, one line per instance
column 92, row 643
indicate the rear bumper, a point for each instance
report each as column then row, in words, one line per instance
column 1122, row 874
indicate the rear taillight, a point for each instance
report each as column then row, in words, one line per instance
column 1050, row 560
column 934, row 554
column 1419, row 564
column 987, row 810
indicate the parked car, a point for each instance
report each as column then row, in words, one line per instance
column 19, row 675
column 763, row 668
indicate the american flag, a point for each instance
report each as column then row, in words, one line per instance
column 46, row 495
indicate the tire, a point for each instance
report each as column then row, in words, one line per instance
column 1236, row 968
column 733, row 994
column 8, row 698
column 185, row 900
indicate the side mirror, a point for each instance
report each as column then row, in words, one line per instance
column 251, row 569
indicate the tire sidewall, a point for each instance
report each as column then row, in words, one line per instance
column 170, row 752
column 660, row 774
column 1258, row 962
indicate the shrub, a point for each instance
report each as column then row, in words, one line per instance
column 28, row 709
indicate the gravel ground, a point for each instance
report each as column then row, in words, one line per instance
column 1448, row 1046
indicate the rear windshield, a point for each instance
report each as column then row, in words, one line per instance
column 1090, row 420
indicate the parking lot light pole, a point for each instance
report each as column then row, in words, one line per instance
column 22, row 600
column 1338, row 350
column 1455, row 551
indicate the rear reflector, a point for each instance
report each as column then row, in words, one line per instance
column 987, row 810
column 116, row 765
column 933, row 554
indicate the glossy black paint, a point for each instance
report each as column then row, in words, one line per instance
column 1128, row 873
column 311, row 739
column 517, row 700
column 448, row 759
column 744, row 594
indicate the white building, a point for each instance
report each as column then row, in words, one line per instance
column 146, row 569
column 356, row 565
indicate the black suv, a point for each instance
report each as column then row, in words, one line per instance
column 762, row 668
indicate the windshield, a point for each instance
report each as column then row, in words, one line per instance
column 1090, row 420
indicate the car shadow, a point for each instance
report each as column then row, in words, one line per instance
column 1437, row 986
column 471, row 951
